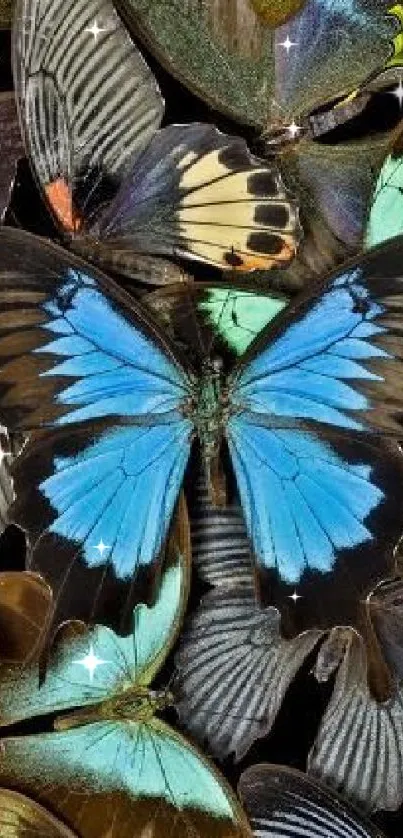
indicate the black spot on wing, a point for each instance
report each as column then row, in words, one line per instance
column 272, row 215
column 233, row 259
column 263, row 184
column 265, row 243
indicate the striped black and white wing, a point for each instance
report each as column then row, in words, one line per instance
column 88, row 102
column 359, row 746
column 284, row 803
column 220, row 547
column 233, row 665
column 233, row 670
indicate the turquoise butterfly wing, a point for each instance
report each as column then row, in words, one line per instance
column 386, row 206
column 125, row 770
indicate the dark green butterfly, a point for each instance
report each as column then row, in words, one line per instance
column 244, row 67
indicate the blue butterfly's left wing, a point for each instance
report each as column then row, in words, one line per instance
column 315, row 406
column 86, row 373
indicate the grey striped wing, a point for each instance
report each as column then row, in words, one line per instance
column 282, row 803
column 359, row 746
column 233, row 666
column 233, row 670
column 88, row 102
column 220, row 546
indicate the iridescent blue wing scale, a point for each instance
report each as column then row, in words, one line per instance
column 314, row 403
column 87, row 374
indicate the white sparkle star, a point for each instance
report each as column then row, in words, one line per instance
column 398, row 92
column 294, row 596
column 101, row 547
column 90, row 662
column 95, row 30
column 287, row 44
column 294, row 129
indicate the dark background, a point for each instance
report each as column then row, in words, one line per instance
column 297, row 722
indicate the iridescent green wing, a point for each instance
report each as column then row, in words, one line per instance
column 385, row 218
column 92, row 665
column 222, row 51
column 210, row 318
column 111, row 768
column 125, row 780
column 238, row 60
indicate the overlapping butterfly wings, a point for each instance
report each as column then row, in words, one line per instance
column 230, row 56
column 120, row 189
column 122, row 772
column 89, row 104
column 88, row 369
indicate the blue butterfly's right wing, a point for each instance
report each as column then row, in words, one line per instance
column 89, row 376
column 313, row 405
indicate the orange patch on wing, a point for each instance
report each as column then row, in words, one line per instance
column 253, row 262
column 60, row 198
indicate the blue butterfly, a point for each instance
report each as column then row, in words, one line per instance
column 310, row 415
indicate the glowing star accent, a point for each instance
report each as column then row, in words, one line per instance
column 287, row 44
column 294, row 129
column 90, row 662
column 101, row 547
column 398, row 92
column 95, row 30
column 294, row 596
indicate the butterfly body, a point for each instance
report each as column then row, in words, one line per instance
column 137, row 704
column 209, row 410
